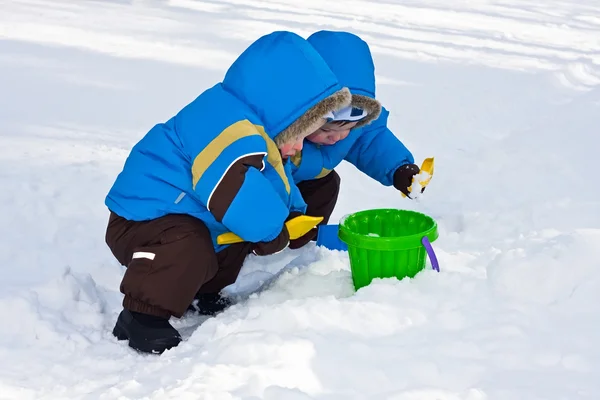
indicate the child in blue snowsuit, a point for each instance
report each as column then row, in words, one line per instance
column 358, row 134
column 219, row 165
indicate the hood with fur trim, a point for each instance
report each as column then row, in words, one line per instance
column 349, row 57
column 294, row 89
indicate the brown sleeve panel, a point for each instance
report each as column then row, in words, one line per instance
column 230, row 184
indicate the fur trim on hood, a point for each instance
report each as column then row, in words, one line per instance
column 313, row 119
column 370, row 105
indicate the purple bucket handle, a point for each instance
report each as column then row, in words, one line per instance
column 434, row 261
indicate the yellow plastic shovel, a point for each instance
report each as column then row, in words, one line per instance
column 426, row 167
column 297, row 227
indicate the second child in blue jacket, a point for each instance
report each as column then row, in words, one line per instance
column 358, row 134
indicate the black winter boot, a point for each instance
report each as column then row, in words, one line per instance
column 146, row 333
column 209, row 303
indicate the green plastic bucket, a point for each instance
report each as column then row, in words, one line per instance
column 386, row 243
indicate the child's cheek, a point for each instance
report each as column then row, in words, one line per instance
column 320, row 139
column 285, row 148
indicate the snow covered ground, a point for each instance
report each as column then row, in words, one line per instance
column 505, row 94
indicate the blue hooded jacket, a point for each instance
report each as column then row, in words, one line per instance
column 216, row 159
column 372, row 148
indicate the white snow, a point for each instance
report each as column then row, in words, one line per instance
column 504, row 94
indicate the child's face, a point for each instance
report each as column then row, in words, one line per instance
column 290, row 149
column 331, row 133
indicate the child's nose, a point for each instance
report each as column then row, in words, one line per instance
column 298, row 145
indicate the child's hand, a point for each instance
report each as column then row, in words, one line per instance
column 403, row 178
column 274, row 246
column 304, row 239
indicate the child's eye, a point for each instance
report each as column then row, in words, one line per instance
column 326, row 130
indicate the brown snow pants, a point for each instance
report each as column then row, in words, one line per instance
column 320, row 196
column 170, row 259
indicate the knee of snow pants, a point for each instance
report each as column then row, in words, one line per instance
column 168, row 261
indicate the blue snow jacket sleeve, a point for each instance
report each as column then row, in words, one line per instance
column 373, row 149
column 378, row 152
column 227, row 177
